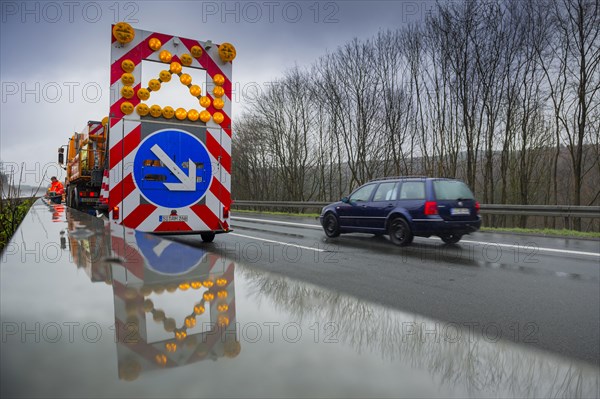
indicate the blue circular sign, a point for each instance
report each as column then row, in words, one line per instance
column 172, row 168
column 168, row 257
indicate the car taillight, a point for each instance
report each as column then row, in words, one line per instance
column 477, row 207
column 225, row 212
column 115, row 213
column 431, row 208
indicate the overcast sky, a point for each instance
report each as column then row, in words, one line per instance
column 55, row 56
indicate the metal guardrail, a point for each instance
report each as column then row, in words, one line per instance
column 486, row 209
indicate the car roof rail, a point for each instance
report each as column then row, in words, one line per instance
column 401, row 177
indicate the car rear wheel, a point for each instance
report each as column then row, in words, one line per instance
column 451, row 238
column 331, row 226
column 207, row 237
column 400, row 233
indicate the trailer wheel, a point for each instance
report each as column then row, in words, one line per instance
column 207, row 237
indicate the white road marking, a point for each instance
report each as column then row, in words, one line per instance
column 312, row 226
column 279, row 242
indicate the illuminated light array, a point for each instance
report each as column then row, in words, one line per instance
column 124, row 33
column 208, row 283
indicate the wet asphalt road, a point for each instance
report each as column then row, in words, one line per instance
column 536, row 291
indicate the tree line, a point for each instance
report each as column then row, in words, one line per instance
column 501, row 94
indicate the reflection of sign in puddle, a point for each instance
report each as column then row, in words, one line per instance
column 176, row 307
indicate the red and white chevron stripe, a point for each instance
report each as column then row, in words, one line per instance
column 125, row 137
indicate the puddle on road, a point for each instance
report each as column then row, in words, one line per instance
column 92, row 309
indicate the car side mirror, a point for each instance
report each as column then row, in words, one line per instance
column 345, row 200
column 61, row 158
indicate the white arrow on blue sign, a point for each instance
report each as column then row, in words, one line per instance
column 172, row 168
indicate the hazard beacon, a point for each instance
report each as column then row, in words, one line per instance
column 148, row 166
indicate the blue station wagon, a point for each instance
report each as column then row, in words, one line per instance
column 405, row 207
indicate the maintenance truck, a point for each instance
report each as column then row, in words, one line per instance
column 149, row 166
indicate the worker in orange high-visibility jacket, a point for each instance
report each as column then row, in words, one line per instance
column 56, row 190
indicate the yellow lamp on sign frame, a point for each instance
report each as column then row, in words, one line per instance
column 127, row 92
column 227, row 52
column 168, row 112
column 222, row 294
column 186, row 59
column 199, row 309
column 156, row 111
column 154, row 44
column 196, row 51
column 193, row 115
column 218, row 91
column 207, row 283
column 127, row 79
column 218, row 118
column 154, row 84
column 127, row 66
column 205, row 116
column 142, row 109
column 218, row 103
column 181, row 114
column 185, row 79
column 126, row 107
column 219, row 79
column 184, row 286
column 194, row 284
column 175, row 67
column 123, row 32
column 164, row 76
column 195, row 90
column 165, row 56
column 205, row 103
column 221, row 282
column 143, row 94
column 208, row 296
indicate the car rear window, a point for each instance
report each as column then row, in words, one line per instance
column 412, row 190
column 451, row 190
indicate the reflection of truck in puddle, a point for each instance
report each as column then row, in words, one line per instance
column 174, row 305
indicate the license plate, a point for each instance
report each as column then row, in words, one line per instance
column 173, row 218
column 460, row 211
column 89, row 200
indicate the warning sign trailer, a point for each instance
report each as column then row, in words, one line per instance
column 162, row 170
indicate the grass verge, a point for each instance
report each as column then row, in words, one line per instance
column 543, row 232
column 12, row 213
